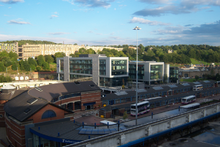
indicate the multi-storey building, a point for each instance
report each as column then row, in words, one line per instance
column 103, row 70
column 33, row 50
column 149, row 72
column 100, row 48
column 9, row 47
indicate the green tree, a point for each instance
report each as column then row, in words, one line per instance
column 59, row 55
column 31, row 61
column 49, row 58
column 197, row 78
column 13, row 56
column 125, row 115
column 45, row 66
column 14, row 66
column 40, row 60
column 2, row 67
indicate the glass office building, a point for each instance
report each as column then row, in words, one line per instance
column 103, row 70
column 149, row 72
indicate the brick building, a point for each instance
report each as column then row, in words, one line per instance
column 49, row 103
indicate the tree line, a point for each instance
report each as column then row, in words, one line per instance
column 39, row 63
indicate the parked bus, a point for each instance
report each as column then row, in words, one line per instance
column 188, row 99
column 142, row 107
column 191, row 106
column 197, row 87
column 153, row 98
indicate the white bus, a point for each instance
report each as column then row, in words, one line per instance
column 188, row 99
column 152, row 98
column 197, row 87
column 191, row 106
column 142, row 107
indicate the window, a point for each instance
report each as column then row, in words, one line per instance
column 1, row 116
column 48, row 114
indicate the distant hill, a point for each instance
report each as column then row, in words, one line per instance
column 22, row 42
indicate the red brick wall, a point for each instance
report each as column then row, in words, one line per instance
column 2, row 119
column 15, row 133
column 86, row 97
column 37, row 116
column 91, row 97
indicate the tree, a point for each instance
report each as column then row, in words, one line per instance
column 49, row 58
column 125, row 115
column 40, row 60
column 59, row 55
column 31, row 61
column 196, row 77
column 13, row 56
column 46, row 66
column 14, row 66
column 2, row 67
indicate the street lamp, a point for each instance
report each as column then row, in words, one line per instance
column 136, row 28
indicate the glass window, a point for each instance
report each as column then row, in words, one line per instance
column 119, row 67
column 48, row 114
column 81, row 66
column 156, row 72
column 61, row 65
column 102, row 67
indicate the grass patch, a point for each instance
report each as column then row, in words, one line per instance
column 194, row 61
column 205, row 63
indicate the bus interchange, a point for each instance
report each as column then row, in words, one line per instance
column 119, row 102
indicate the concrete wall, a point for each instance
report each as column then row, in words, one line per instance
column 144, row 130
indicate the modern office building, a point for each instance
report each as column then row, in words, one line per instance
column 174, row 74
column 149, row 72
column 103, row 70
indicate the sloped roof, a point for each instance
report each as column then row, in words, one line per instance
column 49, row 92
column 20, row 109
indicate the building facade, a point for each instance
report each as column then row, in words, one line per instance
column 33, row 50
column 9, row 47
column 103, row 70
column 149, row 72
column 174, row 74
column 46, row 104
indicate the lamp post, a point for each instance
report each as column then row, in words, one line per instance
column 136, row 28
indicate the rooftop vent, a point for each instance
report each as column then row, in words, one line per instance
column 92, row 85
column 32, row 100
column 27, row 110
column 38, row 89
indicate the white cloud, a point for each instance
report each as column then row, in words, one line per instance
column 146, row 21
column 95, row 3
column 69, row 1
column 58, row 33
column 185, row 6
column 156, row 1
column 11, row 1
column 18, row 22
column 52, row 16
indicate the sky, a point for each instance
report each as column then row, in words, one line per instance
column 111, row 22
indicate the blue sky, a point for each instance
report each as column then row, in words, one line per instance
column 111, row 22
